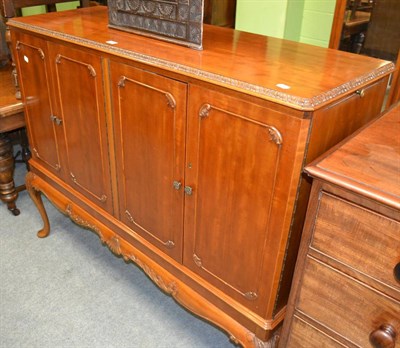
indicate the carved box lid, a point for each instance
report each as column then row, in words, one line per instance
column 178, row 21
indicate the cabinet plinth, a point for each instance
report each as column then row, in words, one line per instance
column 189, row 163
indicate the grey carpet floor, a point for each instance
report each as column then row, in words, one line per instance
column 68, row 290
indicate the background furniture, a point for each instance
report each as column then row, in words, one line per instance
column 11, row 123
column 381, row 34
column 394, row 93
column 220, row 12
column 356, row 20
column 346, row 289
column 382, row 38
column 11, row 8
column 189, row 162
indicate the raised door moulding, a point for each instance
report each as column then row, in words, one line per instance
column 178, row 21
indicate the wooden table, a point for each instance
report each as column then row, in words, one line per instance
column 354, row 29
column 11, row 119
column 11, row 109
column 360, row 21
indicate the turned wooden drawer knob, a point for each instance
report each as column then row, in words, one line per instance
column 384, row 337
column 396, row 272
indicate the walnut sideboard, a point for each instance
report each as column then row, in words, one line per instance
column 189, row 162
column 346, row 288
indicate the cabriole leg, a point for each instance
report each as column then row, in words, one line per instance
column 36, row 196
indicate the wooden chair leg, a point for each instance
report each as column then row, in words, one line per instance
column 8, row 193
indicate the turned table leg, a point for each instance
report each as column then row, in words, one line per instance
column 25, row 151
column 36, row 197
column 8, row 194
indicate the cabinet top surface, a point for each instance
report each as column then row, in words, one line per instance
column 369, row 162
column 298, row 75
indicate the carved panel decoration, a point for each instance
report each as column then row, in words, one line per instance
column 178, row 21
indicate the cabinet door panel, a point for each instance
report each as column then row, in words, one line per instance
column 80, row 106
column 149, row 113
column 34, row 77
column 232, row 221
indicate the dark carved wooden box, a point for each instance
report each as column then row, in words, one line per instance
column 178, row 21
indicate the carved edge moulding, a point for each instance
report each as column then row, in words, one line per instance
column 300, row 103
column 177, row 21
column 167, row 282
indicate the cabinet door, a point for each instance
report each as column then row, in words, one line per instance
column 243, row 170
column 149, row 113
column 80, row 109
column 32, row 57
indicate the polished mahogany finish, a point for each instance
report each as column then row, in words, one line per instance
column 346, row 285
column 238, row 60
column 189, row 163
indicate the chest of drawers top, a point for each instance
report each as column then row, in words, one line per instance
column 369, row 163
column 298, row 75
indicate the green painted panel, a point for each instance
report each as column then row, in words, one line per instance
column 294, row 19
column 299, row 20
column 266, row 17
column 317, row 22
column 67, row 5
column 327, row 6
column 317, row 25
column 29, row 11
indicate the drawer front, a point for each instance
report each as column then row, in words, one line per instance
column 358, row 237
column 307, row 336
column 345, row 305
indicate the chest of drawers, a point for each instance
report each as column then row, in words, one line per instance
column 346, row 290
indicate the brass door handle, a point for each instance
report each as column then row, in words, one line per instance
column 188, row 190
column 55, row 119
column 177, row 185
